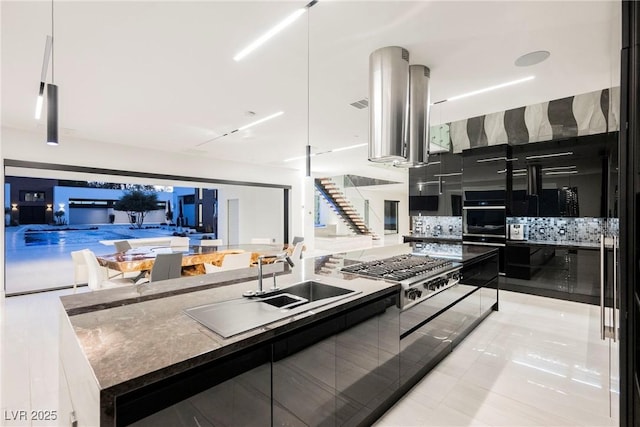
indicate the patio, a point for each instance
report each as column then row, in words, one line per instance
column 39, row 261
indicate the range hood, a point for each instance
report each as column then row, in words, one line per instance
column 399, row 104
column 388, row 104
column 419, row 107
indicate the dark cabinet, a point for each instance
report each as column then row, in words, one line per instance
column 343, row 377
column 485, row 174
column 566, row 273
column 436, row 189
column 569, row 178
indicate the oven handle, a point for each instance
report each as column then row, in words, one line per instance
column 483, row 207
column 615, row 287
column 602, row 276
column 496, row 245
column 501, row 236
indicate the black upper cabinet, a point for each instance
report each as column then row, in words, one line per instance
column 485, row 174
column 568, row 178
column 436, row 189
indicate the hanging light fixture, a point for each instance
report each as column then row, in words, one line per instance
column 52, row 90
column 52, row 114
column 52, row 97
column 43, row 76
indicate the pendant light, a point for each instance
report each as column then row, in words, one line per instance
column 52, row 90
column 52, row 97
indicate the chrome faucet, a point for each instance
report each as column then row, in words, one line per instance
column 281, row 257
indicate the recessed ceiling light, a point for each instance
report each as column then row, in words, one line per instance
column 532, row 58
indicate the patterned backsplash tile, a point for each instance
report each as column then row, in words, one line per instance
column 438, row 226
column 566, row 230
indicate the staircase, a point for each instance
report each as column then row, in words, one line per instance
column 341, row 206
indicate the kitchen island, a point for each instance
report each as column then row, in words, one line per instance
column 130, row 355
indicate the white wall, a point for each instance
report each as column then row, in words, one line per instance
column 261, row 212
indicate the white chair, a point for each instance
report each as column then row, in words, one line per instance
column 230, row 262
column 179, row 241
column 261, row 241
column 122, row 246
column 80, row 274
column 211, row 242
column 98, row 276
column 296, row 255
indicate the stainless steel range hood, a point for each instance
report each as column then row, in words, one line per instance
column 388, row 104
column 419, row 106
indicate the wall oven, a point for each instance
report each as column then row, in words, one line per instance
column 484, row 219
column 484, row 222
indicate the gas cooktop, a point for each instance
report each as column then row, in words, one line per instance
column 401, row 268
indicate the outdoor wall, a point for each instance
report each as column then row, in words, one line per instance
column 101, row 215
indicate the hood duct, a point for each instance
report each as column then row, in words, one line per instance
column 418, row 118
column 534, row 180
column 388, row 104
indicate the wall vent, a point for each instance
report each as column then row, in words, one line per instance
column 360, row 105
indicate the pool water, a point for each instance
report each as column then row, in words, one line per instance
column 71, row 237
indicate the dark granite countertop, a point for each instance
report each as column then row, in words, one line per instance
column 558, row 244
column 132, row 337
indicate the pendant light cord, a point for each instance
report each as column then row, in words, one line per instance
column 52, row 46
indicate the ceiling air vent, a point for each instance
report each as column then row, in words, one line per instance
column 360, row 105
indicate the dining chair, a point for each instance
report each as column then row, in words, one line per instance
column 122, row 246
column 261, row 241
column 80, row 273
column 165, row 267
column 98, row 276
column 230, row 262
column 211, row 242
column 296, row 255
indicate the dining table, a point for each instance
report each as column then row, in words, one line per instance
column 193, row 259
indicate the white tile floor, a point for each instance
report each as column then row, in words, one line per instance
column 537, row 362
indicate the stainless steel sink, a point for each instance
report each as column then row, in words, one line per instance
column 229, row 318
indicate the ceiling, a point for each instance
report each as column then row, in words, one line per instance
column 160, row 75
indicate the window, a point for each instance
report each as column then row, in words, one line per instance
column 391, row 216
column 32, row 196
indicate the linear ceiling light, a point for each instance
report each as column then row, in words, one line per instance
column 257, row 122
column 487, row 89
column 273, row 116
column 335, row 150
column 544, row 156
column 269, row 34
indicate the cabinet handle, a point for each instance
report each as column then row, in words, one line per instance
column 602, row 259
column 615, row 286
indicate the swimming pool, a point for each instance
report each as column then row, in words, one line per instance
column 71, row 237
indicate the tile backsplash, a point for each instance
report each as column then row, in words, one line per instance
column 438, row 226
column 568, row 230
